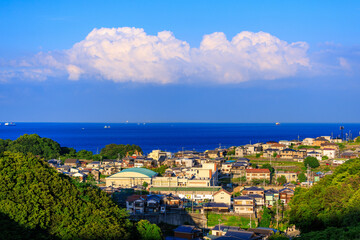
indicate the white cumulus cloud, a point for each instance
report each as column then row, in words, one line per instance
column 130, row 54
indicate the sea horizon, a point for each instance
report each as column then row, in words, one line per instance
column 173, row 137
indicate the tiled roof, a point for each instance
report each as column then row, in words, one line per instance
column 265, row 170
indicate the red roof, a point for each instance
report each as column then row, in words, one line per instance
column 265, row 170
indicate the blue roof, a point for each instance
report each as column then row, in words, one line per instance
column 185, row 229
column 213, row 204
column 243, row 198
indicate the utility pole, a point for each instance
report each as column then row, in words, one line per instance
column 250, row 221
column 277, row 215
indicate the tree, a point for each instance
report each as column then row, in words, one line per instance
column 113, row 151
column 275, row 155
column 265, row 217
column 357, row 140
column 302, row 177
column 311, row 162
column 258, row 155
column 84, row 154
column 33, row 143
column 334, row 202
column 37, row 197
column 268, row 166
column 145, row 184
column 148, row 231
column 325, row 158
column 281, row 180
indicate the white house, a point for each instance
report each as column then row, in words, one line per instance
column 330, row 153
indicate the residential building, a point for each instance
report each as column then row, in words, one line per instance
column 257, row 174
column 244, row 205
column 222, row 196
column 271, row 196
column 187, row 232
column 72, row 162
column 253, row 190
column 289, row 175
column 285, row 195
column 308, row 141
column 329, row 152
column 136, row 203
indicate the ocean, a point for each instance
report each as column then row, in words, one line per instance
column 173, row 136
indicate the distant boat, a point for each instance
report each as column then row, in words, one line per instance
column 10, row 124
column 277, row 123
column 107, row 126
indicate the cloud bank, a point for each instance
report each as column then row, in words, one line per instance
column 131, row 55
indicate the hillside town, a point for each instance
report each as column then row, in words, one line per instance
column 187, row 188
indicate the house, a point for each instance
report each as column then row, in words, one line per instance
column 319, row 140
column 268, row 153
column 72, row 162
column 221, row 230
column 329, row 152
column 94, row 164
column 239, row 235
column 263, row 232
column 238, row 169
column 212, row 153
column 259, row 200
column 153, row 203
column 240, row 152
column 285, row 195
column 308, row 141
column 289, row 175
column 79, row 175
column 173, row 201
column 271, row 196
column 349, row 155
column 136, row 203
column 187, row 232
column 253, row 190
column 315, row 154
column 257, row 174
column 222, row 196
column 289, row 153
column 215, row 207
column 244, row 205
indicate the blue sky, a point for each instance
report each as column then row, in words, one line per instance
column 179, row 61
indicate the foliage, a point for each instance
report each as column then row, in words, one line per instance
column 357, row 140
column 84, row 154
column 341, row 146
column 275, row 155
column 302, row 177
column 239, row 179
column 145, row 184
column 36, row 197
column 311, row 162
column 231, row 152
column 148, row 231
column 259, row 181
column 160, row 170
column 333, row 202
column 325, row 157
column 268, row 166
column 265, row 217
column 281, row 180
column 113, row 151
column 33, row 143
column 278, row 236
column 258, row 155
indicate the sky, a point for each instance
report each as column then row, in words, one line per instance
column 179, row 61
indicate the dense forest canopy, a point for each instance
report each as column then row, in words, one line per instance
column 48, row 149
column 36, row 197
column 331, row 208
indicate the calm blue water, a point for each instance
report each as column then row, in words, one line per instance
column 171, row 136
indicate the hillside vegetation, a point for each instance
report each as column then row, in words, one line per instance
column 331, row 208
column 36, row 202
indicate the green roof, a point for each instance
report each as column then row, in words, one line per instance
column 180, row 189
column 144, row 171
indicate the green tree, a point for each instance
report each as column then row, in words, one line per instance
column 268, row 166
column 357, row 140
column 302, row 177
column 84, row 154
column 33, row 143
column 311, row 162
column 281, row 180
column 334, row 202
column 325, row 158
column 275, row 155
column 265, row 217
column 148, row 231
column 37, row 197
column 145, row 184
column 113, row 151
